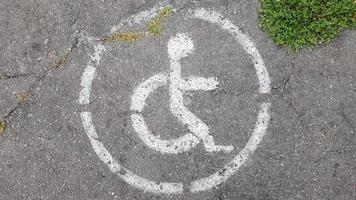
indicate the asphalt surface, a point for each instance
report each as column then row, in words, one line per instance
column 308, row 151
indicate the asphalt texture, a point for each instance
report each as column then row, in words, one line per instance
column 308, row 152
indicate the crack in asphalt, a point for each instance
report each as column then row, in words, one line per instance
column 284, row 91
column 346, row 118
column 184, row 6
column 39, row 78
column 285, row 94
column 7, row 77
column 227, row 5
column 285, row 82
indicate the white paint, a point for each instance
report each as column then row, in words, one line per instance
column 191, row 83
column 173, row 146
column 141, row 17
column 87, row 80
column 89, row 73
column 147, row 87
column 233, row 166
column 123, row 173
column 179, row 47
column 215, row 18
column 98, row 51
column 199, row 83
column 142, row 91
column 136, row 19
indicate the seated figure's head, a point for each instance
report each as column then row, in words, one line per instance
column 180, row 46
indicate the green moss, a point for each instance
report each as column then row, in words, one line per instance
column 155, row 25
column 306, row 23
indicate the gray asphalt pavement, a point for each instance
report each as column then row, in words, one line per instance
column 307, row 152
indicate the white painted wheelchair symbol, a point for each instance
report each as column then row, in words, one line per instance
column 178, row 47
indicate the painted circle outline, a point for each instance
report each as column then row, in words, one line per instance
column 204, row 183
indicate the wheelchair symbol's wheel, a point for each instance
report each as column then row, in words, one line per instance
column 178, row 48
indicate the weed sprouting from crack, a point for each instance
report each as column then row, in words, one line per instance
column 2, row 127
column 22, row 97
column 124, row 37
column 62, row 60
column 154, row 27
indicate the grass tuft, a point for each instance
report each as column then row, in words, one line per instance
column 124, row 37
column 306, row 23
column 155, row 25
